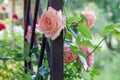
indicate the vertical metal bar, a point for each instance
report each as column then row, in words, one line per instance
column 33, row 30
column 43, row 46
column 34, row 25
column 26, row 11
column 42, row 52
column 26, row 22
column 25, row 62
column 48, row 52
column 31, row 23
column 30, row 18
column 40, row 10
column 56, row 56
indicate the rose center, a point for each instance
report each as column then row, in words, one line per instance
column 47, row 23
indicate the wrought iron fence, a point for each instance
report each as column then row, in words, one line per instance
column 54, row 50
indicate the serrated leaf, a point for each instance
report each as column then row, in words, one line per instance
column 84, row 31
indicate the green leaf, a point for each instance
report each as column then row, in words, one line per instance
column 83, row 42
column 74, row 32
column 95, row 72
column 43, row 71
column 74, row 14
column 84, row 31
column 34, row 49
column 75, row 48
column 81, row 53
column 83, row 60
column 83, row 17
column 27, row 58
column 116, row 33
column 38, row 77
column 67, row 41
column 74, row 19
column 86, row 43
column 26, row 77
column 108, row 29
column 77, row 51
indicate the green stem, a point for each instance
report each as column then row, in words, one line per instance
column 97, row 45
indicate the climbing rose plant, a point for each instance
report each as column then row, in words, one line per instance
column 76, row 31
column 78, row 48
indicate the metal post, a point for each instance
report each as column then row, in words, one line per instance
column 56, row 56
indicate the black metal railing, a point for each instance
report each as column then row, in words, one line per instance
column 54, row 51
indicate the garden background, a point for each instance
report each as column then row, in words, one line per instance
column 11, row 39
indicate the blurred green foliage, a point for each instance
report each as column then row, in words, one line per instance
column 11, row 51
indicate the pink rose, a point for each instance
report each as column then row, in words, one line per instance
column 70, row 56
column 37, row 27
column 28, row 35
column 3, row 8
column 51, row 23
column 90, row 17
column 90, row 58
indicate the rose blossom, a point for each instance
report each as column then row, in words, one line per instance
column 15, row 16
column 2, row 26
column 37, row 27
column 70, row 56
column 90, row 58
column 90, row 17
column 28, row 35
column 51, row 23
column 3, row 8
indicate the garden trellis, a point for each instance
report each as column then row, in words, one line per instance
column 54, row 51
